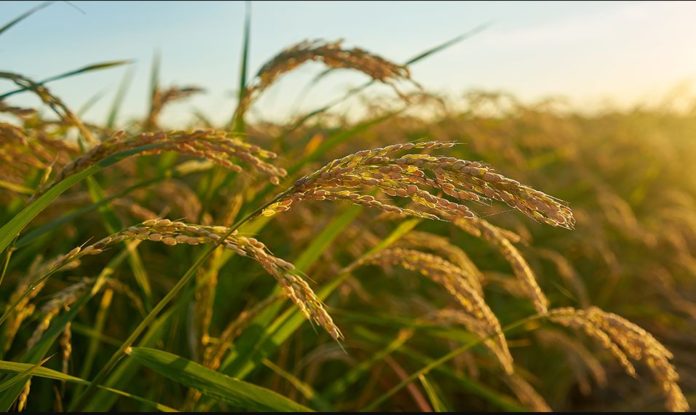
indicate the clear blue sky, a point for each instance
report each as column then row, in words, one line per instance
column 627, row 52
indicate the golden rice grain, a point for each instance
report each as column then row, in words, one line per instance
column 625, row 339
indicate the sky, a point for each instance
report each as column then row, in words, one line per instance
column 591, row 53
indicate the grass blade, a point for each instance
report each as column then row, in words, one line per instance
column 89, row 104
column 22, row 377
column 496, row 398
column 23, row 16
column 118, row 99
column 103, row 401
column 154, row 77
column 43, row 372
column 305, row 389
column 433, row 395
column 442, row 360
column 213, row 384
column 79, row 71
column 238, row 122
column 353, row 375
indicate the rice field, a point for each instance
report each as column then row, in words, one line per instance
column 478, row 254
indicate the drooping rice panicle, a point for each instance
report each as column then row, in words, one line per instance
column 454, row 280
column 23, row 151
column 55, row 103
column 526, row 393
column 62, row 300
column 331, row 54
column 17, row 111
column 444, row 248
column 162, row 97
column 409, row 176
column 519, row 265
column 574, row 318
column 625, row 339
column 173, row 233
column 65, row 343
column 22, row 295
column 217, row 146
column 495, row 345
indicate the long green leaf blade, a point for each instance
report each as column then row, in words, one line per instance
column 23, row 16
column 44, row 372
column 233, row 391
column 79, row 71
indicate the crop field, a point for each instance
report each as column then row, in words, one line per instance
column 479, row 255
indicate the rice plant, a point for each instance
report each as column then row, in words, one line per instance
column 495, row 256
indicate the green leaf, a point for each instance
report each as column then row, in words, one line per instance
column 102, row 401
column 238, row 123
column 118, row 99
column 214, row 384
column 322, row 241
column 340, row 386
column 89, row 103
column 33, row 234
column 446, row 44
column 154, row 77
column 304, row 388
column 434, row 364
column 43, row 372
column 22, row 377
column 23, row 16
column 79, row 71
column 496, row 398
column 95, row 334
column 433, row 395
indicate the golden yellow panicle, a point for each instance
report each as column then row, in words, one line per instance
column 625, row 339
column 419, row 178
column 332, row 54
column 455, row 281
